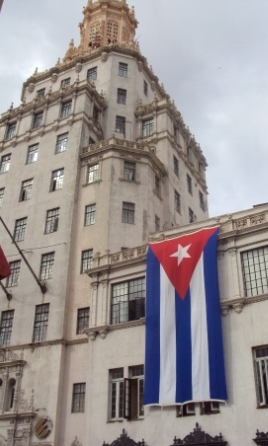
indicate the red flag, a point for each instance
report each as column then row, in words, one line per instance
column 4, row 266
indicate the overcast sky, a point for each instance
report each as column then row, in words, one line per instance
column 211, row 56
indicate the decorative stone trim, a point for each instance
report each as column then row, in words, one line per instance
column 124, row 440
column 199, row 437
column 261, row 438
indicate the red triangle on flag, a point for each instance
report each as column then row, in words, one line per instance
column 179, row 257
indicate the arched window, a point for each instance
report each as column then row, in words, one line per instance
column 10, row 394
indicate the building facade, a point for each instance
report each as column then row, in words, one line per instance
column 94, row 161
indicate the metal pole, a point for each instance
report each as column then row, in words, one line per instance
column 40, row 284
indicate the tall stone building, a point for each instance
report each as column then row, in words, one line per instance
column 94, row 161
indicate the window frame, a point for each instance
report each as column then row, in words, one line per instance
column 145, row 87
column 2, row 193
column 6, row 325
column 192, row 217
column 189, row 184
column 121, row 96
column 57, row 178
column 177, row 201
column 13, row 279
column 176, row 166
column 32, row 154
column 26, row 190
column 41, row 92
column 10, row 131
column 47, row 265
column 52, row 220
column 128, row 300
column 93, row 173
column 157, row 223
column 129, row 173
column 120, row 124
column 41, row 320
column 82, row 320
column 86, row 260
column 78, row 397
column 122, row 69
column 61, row 142
column 92, row 74
column 65, row 82
column 5, row 163
column 37, row 119
column 261, row 379
column 65, row 109
column 147, row 127
column 254, row 265
column 90, row 214
column 20, row 229
column 128, row 212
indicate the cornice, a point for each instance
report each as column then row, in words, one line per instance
column 78, row 87
column 124, row 145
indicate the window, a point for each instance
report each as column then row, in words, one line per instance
column 57, row 180
column 120, row 124
column 145, row 88
column 82, row 319
column 117, row 394
column 255, row 271
column 122, row 69
column 10, row 131
column 61, row 144
column 157, row 186
column 176, row 165
column 37, row 120
column 261, row 373
column 126, row 395
column 52, row 220
column 32, row 154
column 90, row 214
column 201, row 201
column 121, row 96
column 86, row 260
column 147, row 127
column 186, row 410
column 5, row 163
column 93, row 173
column 13, row 279
column 177, row 202
column 157, row 223
column 19, row 230
column 41, row 93
column 92, row 74
column 128, row 213
column 47, row 264
column 79, row 394
column 129, row 171
column 26, row 190
column 40, row 322
column 91, row 140
column 134, row 393
column 209, row 407
column 191, row 216
column 2, row 191
column 189, row 184
column 95, row 114
column 66, row 82
column 128, row 300
column 65, row 109
column 6, row 327
column 10, row 394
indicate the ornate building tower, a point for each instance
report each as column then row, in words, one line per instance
column 94, row 160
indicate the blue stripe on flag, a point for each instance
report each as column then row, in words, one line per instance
column 215, row 345
column 152, row 342
column 184, row 349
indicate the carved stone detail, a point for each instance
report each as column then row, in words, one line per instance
column 76, row 442
column 261, row 438
column 124, row 440
column 199, row 437
column 257, row 219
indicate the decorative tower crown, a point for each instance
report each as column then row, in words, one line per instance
column 106, row 22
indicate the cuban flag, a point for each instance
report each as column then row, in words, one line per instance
column 184, row 350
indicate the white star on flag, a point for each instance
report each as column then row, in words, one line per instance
column 181, row 253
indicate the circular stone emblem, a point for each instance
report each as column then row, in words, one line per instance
column 43, row 427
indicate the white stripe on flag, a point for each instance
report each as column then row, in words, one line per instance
column 200, row 363
column 167, row 386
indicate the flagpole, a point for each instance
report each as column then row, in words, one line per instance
column 8, row 295
column 41, row 285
